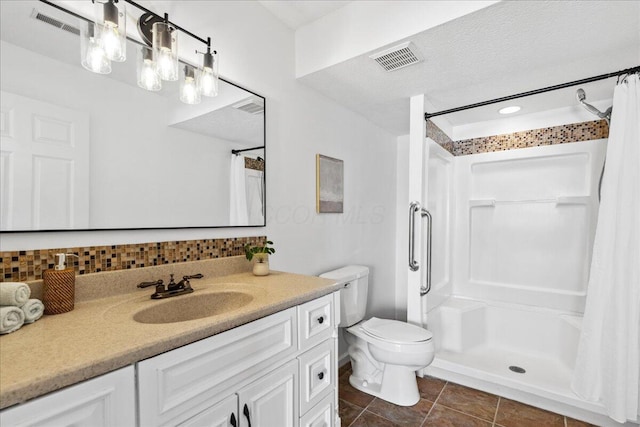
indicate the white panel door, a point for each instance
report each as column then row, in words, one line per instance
column 272, row 400
column 45, row 165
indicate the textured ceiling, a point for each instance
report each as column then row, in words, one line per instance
column 507, row 48
column 295, row 13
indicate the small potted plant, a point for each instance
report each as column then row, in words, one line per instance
column 261, row 255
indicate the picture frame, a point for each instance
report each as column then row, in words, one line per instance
column 329, row 184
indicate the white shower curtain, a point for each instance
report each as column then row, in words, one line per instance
column 608, row 363
column 238, row 195
column 254, row 180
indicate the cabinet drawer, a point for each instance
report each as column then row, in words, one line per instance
column 105, row 401
column 321, row 415
column 317, row 374
column 178, row 384
column 316, row 321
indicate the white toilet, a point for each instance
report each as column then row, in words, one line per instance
column 384, row 353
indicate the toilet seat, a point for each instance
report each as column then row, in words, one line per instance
column 394, row 331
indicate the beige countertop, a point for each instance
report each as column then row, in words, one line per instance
column 100, row 335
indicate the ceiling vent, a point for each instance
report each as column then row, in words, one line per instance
column 397, row 57
column 252, row 105
column 56, row 23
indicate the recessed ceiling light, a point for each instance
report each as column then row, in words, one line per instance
column 509, row 110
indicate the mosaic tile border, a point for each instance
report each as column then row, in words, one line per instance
column 575, row 132
column 28, row 265
column 254, row 164
column 441, row 138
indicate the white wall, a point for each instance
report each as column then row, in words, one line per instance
column 257, row 51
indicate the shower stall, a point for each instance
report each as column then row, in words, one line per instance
column 512, row 235
column 511, row 248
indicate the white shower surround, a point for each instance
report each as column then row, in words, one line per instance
column 513, row 234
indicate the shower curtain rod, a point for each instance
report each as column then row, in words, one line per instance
column 246, row 149
column 534, row 92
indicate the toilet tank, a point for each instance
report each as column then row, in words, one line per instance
column 353, row 295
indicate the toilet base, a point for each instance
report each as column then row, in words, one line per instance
column 398, row 386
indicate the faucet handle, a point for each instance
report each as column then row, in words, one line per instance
column 185, row 279
column 147, row 284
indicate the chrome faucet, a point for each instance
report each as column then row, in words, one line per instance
column 173, row 289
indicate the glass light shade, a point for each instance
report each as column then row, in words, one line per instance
column 165, row 50
column 92, row 54
column 190, row 86
column 209, row 74
column 112, row 18
column 148, row 76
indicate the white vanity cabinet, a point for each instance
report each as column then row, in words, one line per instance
column 276, row 371
column 105, row 401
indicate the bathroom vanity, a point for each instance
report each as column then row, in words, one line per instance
column 271, row 361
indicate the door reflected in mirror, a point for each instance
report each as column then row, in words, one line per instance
column 84, row 151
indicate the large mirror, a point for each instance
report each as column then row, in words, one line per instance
column 85, row 151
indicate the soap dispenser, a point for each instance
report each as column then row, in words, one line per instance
column 59, row 286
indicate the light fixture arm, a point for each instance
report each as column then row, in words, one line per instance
column 166, row 19
column 207, row 61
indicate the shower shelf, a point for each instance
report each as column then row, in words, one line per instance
column 562, row 200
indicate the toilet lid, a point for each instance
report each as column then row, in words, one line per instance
column 395, row 331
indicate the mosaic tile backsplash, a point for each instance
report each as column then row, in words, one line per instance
column 574, row 132
column 28, row 265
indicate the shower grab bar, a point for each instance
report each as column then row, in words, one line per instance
column 427, row 287
column 413, row 208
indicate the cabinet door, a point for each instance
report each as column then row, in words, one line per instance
column 321, row 415
column 271, row 401
column 108, row 400
column 223, row 414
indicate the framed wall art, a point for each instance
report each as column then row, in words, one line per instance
column 329, row 184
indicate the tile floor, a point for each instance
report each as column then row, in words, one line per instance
column 442, row 404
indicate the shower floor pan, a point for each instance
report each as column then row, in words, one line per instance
column 478, row 341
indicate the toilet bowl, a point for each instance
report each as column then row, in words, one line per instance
column 384, row 357
column 384, row 353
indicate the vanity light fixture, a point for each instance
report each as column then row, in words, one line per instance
column 104, row 39
column 209, row 72
column 509, row 110
column 111, row 17
column 92, row 54
column 165, row 49
column 189, row 86
column 148, row 76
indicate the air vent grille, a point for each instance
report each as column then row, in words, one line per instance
column 250, row 105
column 398, row 57
column 56, row 23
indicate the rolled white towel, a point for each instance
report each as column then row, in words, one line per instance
column 33, row 310
column 14, row 293
column 11, row 319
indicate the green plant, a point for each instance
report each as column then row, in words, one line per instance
column 251, row 251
